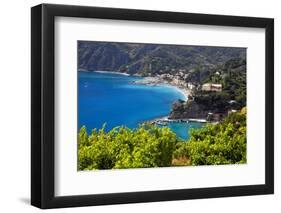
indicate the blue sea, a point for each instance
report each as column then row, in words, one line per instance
column 113, row 99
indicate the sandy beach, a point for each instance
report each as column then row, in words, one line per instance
column 154, row 81
column 108, row 72
column 111, row 72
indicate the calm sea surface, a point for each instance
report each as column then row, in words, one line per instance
column 114, row 100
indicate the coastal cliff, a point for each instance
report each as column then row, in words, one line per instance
column 188, row 110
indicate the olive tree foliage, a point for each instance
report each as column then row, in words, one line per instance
column 224, row 143
column 145, row 146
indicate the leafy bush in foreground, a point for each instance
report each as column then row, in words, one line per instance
column 146, row 146
column 224, row 143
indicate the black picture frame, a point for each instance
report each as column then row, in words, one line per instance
column 43, row 102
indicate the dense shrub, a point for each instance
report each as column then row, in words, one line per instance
column 146, row 146
column 224, row 143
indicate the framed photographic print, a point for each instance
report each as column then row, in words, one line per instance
column 139, row 106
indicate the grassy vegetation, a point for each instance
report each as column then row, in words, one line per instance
column 151, row 146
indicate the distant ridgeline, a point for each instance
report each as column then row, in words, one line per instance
column 216, row 76
column 152, row 59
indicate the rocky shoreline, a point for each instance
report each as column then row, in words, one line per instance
column 186, row 110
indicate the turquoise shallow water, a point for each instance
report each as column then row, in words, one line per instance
column 182, row 129
column 113, row 99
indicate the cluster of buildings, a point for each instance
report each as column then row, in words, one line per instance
column 179, row 79
column 175, row 79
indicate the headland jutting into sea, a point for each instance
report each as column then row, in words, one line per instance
column 180, row 85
